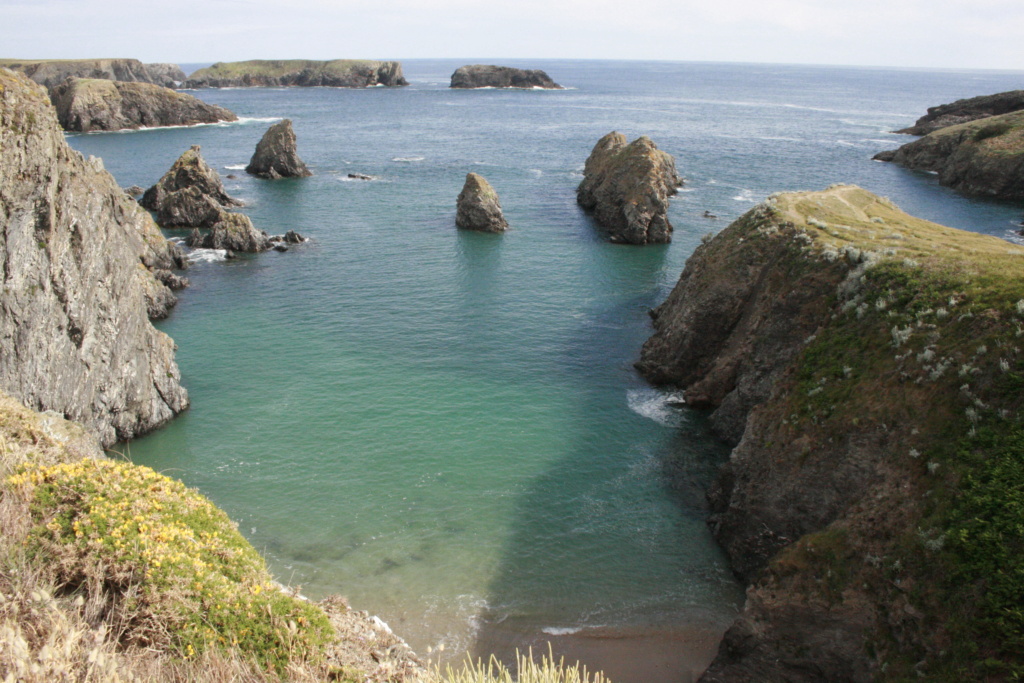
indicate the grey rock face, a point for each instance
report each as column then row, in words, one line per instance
column 478, row 208
column 75, row 251
column 487, row 76
column 276, row 155
column 190, row 194
column 50, row 73
column 337, row 73
column 84, row 105
column 627, row 187
column 167, row 75
column 234, row 232
column 963, row 111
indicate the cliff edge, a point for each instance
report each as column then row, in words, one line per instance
column 962, row 111
column 978, row 158
column 487, row 76
column 76, row 255
column 867, row 366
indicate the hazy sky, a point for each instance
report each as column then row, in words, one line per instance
column 914, row 33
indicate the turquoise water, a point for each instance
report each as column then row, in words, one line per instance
column 445, row 427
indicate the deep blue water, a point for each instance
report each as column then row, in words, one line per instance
column 446, row 427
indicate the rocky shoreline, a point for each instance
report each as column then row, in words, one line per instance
column 338, row 73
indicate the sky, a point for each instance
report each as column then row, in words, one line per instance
column 968, row 34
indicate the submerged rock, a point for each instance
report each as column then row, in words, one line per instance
column 984, row 157
column 627, row 187
column 487, row 76
column 276, row 155
column 966, row 110
column 478, row 208
column 190, row 194
column 86, row 104
column 75, row 334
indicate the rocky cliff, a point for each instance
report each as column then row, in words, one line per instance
column 85, row 105
column 978, row 158
column 276, row 154
column 76, row 254
column 478, row 208
column 627, row 186
column 866, row 365
column 965, row 110
column 53, row 72
column 486, row 76
column 338, row 73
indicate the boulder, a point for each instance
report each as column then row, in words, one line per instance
column 134, row 190
column 88, row 104
column 276, row 155
column 487, row 76
column 190, row 194
column 478, row 208
column 234, row 232
column 963, row 111
column 627, row 187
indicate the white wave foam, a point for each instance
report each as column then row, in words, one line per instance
column 408, row 159
column 235, row 167
column 537, row 173
column 207, row 255
column 660, row 406
column 746, row 196
column 557, row 631
column 257, row 119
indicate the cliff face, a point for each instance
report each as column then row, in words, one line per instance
column 338, row 73
column 978, row 158
column 76, row 254
column 864, row 363
column 485, row 76
column 627, row 186
column 52, row 72
column 85, row 105
column 965, row 110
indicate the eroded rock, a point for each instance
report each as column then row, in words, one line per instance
column 478, row 208
column 276, row 155
column 488, row 76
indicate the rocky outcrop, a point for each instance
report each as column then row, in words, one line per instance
column 276, row 155
column 627, row 187
column 167, row 75
column 979, row 158
column 234, row 232
column 848, row 351
column 486, row 76
column 963, row 111
column 76, row 253
column 52, row 72
column 338, row 73
column 190, row 194
column 478, row 208
column 85, row 105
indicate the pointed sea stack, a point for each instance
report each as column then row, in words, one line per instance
column 190, row 194
column 276, row 155
column 627, row 187
column 478, row 207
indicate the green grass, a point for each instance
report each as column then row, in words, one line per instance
column 279, row 68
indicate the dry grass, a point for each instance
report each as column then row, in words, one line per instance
column 528, row 670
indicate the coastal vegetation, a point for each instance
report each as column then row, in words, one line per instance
column 345, row 73
column 877, row 487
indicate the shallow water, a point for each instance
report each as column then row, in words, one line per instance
column 446, row 427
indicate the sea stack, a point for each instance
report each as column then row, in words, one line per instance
column 276, row 155
column 478, row 207
column 488, row 76
column 190, row 194
column 627, row 187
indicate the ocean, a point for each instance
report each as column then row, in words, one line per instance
column 446, row 427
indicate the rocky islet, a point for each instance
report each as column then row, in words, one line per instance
column 276, row 154
column 490, row 76
column 478, row 207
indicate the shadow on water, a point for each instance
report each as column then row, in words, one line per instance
column 609, row 559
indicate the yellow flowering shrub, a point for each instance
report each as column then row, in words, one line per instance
column 191, row 581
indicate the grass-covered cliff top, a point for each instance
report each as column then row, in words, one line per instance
column 277, row 68
column 922, row 353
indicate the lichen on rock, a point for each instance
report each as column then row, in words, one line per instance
column 478, row 208
column 627, row 186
